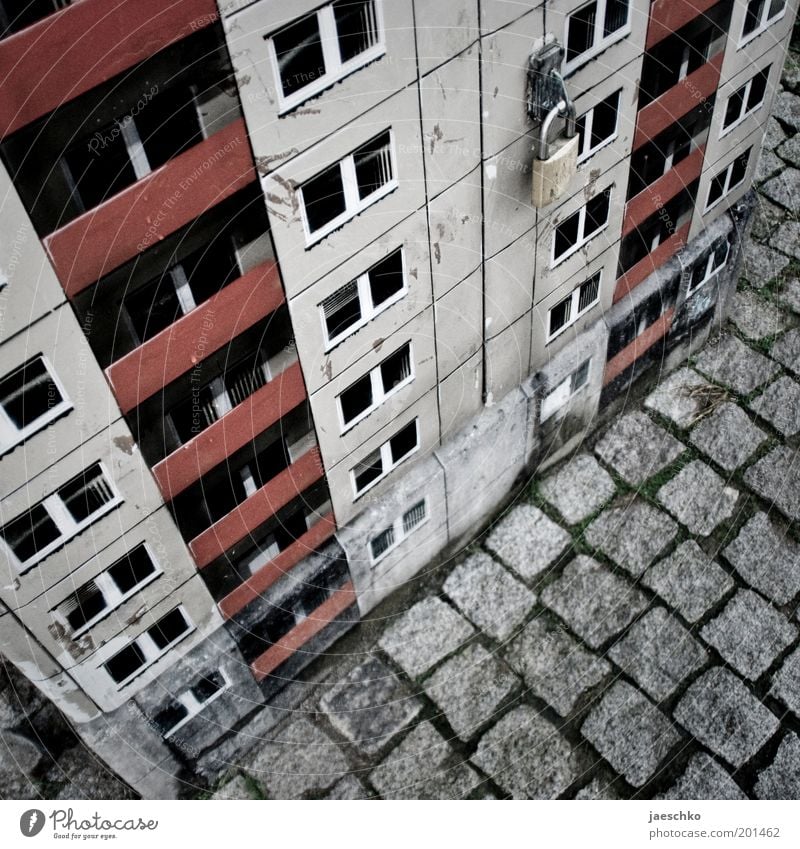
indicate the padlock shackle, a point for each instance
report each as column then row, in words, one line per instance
column 565, row 108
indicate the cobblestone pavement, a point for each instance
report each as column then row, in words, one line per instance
column 629, row 628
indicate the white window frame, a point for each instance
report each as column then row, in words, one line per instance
column 387, row 463
column 574, row 313
column 10, row 434
column 563, row 392
column 63, row 520
column 335, row 69
column 598, row 44
column 193, row 706
column 582, row 237
column 152, row 653
column 379, row 395
column 399, row 531
column 368, row 310
column 765, row 22
column 588, row 152
column 745, row 113
column 112, row 595
column 728, row 187
column 711, row 270
column 353, row 204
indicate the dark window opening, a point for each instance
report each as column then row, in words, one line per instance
column 396, row 368
column 373, row 164
column 386, row 278
column 28, row 393
column 342, row 310
column 356, row 399
column 132, row 569
column 84, row 605
column 299, row 51
column 125, row 663
column 30, row 533
column 580, row 31
column 559, row 315
column 86, row 494
column 323, row 198
column 369, row 470
column 355, row 26
column 168, row 629
column 403, row 442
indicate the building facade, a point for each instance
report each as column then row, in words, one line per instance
column 280, row 322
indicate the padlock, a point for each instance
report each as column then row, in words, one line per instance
column 551, row 176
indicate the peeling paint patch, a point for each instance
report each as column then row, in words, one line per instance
column 265, row 164
column 377, row 344
column 436, row 135
column 126, row 444
column 437, row 252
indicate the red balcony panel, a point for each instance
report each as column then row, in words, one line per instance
column 645, row 267
column 251, row 589
column 677, row 101
column 650, row 200
column 73, row 50
column 630, row 353
column 668, row 16
column 256, row 509
column 230, row 433
column 195, row 336
column 302, row 633
column 159, row 204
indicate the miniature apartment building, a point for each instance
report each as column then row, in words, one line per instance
column 292, row 295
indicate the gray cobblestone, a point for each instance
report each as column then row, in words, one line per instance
column 789, row 294
column 370, row 706
column 727, row 436
column 779, row 404
column 787, row 239
column 555, row 667
column 630, row 733
column 658, row 653
column 424, row 766
column 578, row 489
column 597, row 788
column 725, row 716
column 236, row 788
column 767, row 558
column 749, row 633
column 769, row 164
column 527, row 756
column 730, row 362
column 776, row 478
column 489, row 596
column 755, row 317
column 632, row 534
column 781, row 780
column 786, row 350
column 677, row 397
column 761, row 264
column 689, row 580
column 704, row 778
column 297, row 760
column 767, row 217
column 637, row 449
column 470, row 687
column 527, row 541
column 783, row 188
column 698, row 498
column 787, row 110
column 786, row 683
column 790, row 151
column 775, row 134
column 595, row 604
column 424, row 635
column 348, row 789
